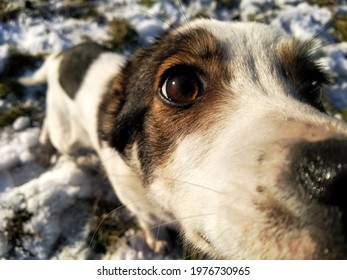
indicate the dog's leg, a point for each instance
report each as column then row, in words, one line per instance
column 45, row 150
column 133, row 195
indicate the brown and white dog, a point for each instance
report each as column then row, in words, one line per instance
column 218, row 128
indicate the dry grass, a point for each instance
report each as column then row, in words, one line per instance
column 121, row 33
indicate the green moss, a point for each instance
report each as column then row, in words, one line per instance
column 121, row 33
column 15, row 231
column 203, row 13
column 11, row 88
column 109, row 227
column 340, row 27
column 344, row 114
column 88, row 12
column 333, row 110
column 92, row 13
column 263, row 17
column 227, row 4
column 146, row 3
column 8, row 116
column 82, row 9
column 257, row 18
column 321, row 3
column 192, row 254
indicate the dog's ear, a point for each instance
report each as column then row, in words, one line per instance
column 124, row 106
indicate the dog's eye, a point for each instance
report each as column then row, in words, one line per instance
column 181, row 87
column 313, row 93
column 313, row 80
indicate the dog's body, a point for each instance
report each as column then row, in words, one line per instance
column 216, row 128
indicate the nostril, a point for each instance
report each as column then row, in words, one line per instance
column 339, row 189
column 320, row 168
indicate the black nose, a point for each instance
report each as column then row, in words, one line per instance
column 320, row 168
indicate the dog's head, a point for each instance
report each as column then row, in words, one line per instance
column 224, row 123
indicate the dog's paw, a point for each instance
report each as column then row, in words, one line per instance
column 160, row 247
column 89, row 163
column 43, row 154
column 160, row 241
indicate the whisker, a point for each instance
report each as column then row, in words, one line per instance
column 185, row 19
column 153, row 16
column 107, row 216
column 169, row 25
column 191, row 184
column 186, row 218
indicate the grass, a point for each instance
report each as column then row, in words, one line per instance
column 267, row 13
column 227, row 4
column 10, row 88
column 190, row 253
column 16, row 64
column 15, row 231
column 321, row 3
column 8, row 116
column 339, row 20
column 333, row 110
column 146, row 3
column 109, row 227
column 85, row 10
column 261, row 18
column 340, row 27
column 121, row 33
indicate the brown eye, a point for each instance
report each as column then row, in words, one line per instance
column 181, row 88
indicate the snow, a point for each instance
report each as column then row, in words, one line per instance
column 61, row 198
column 21, row 123
column 3, row 54
column 304, row 21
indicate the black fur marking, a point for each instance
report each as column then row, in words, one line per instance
column 75, row 64
column 123, row 108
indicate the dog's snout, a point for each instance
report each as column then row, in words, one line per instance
column 320, row 169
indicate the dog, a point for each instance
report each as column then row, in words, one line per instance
column 217, row 129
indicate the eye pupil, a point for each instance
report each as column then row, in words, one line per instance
column 181, row 88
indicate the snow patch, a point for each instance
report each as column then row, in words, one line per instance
column 304, row 21
column 21, row 123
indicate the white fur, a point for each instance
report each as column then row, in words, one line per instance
column 215, row 174
column 211, row 182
